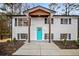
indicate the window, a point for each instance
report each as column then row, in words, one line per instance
column 15, row 21
column 51, row 20
column 65, row 36
column 22, row 22
column 19, row 21
column 65, row 20
column 46, row 21
column 22, row 36
column 25, row 22
column 46, row 36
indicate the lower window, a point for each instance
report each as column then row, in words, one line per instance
column 22, row 36
column 46, row 36
column 65, row 36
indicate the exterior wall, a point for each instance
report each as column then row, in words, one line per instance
column 18, row 29
column 38, row 22
column 58, row 28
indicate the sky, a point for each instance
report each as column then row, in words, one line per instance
column 47, row 6
column 44, row 4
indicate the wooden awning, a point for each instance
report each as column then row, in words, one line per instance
column 39, row 12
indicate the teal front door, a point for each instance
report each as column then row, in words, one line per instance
column 39, row 33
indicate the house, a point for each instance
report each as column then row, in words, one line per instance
column 40, row 23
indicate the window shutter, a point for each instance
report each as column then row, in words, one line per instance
column 51, row 20
column 46, row 21
column 69, row 36
column 46, row 36
column 61, row 21
column 52, row 36
column 15, row 21
column 18, row 36
column 69, row 20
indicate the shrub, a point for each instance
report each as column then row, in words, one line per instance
column 14, row 40
column 8, row 41
column 65, row 42
column 76, row 42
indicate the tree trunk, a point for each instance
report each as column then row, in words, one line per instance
column 66, row 9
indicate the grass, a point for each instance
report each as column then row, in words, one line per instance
column 5, row 40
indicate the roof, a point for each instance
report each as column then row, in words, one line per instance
column 66, row 15
column 41, row 7
column 53, row 15
column 16, row 15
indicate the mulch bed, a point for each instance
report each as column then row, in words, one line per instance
column 6, row 49
column 70, row 45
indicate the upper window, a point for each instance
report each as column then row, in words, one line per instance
column 65, row 20
column 46, row 21
column 21, row 22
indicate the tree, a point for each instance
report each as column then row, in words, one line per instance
column 64, row 8
column 4, row 28
column 27, row 6
column 53, row 6
column 69, row 7
column 15, row 8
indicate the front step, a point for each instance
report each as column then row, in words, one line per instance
column 34, row 41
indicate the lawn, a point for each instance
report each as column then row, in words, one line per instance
column 7, row 48
column 70, row 45
column 5, row 40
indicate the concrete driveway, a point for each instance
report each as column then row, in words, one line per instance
column 44, row 49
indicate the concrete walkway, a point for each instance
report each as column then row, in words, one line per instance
column 44, row 48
